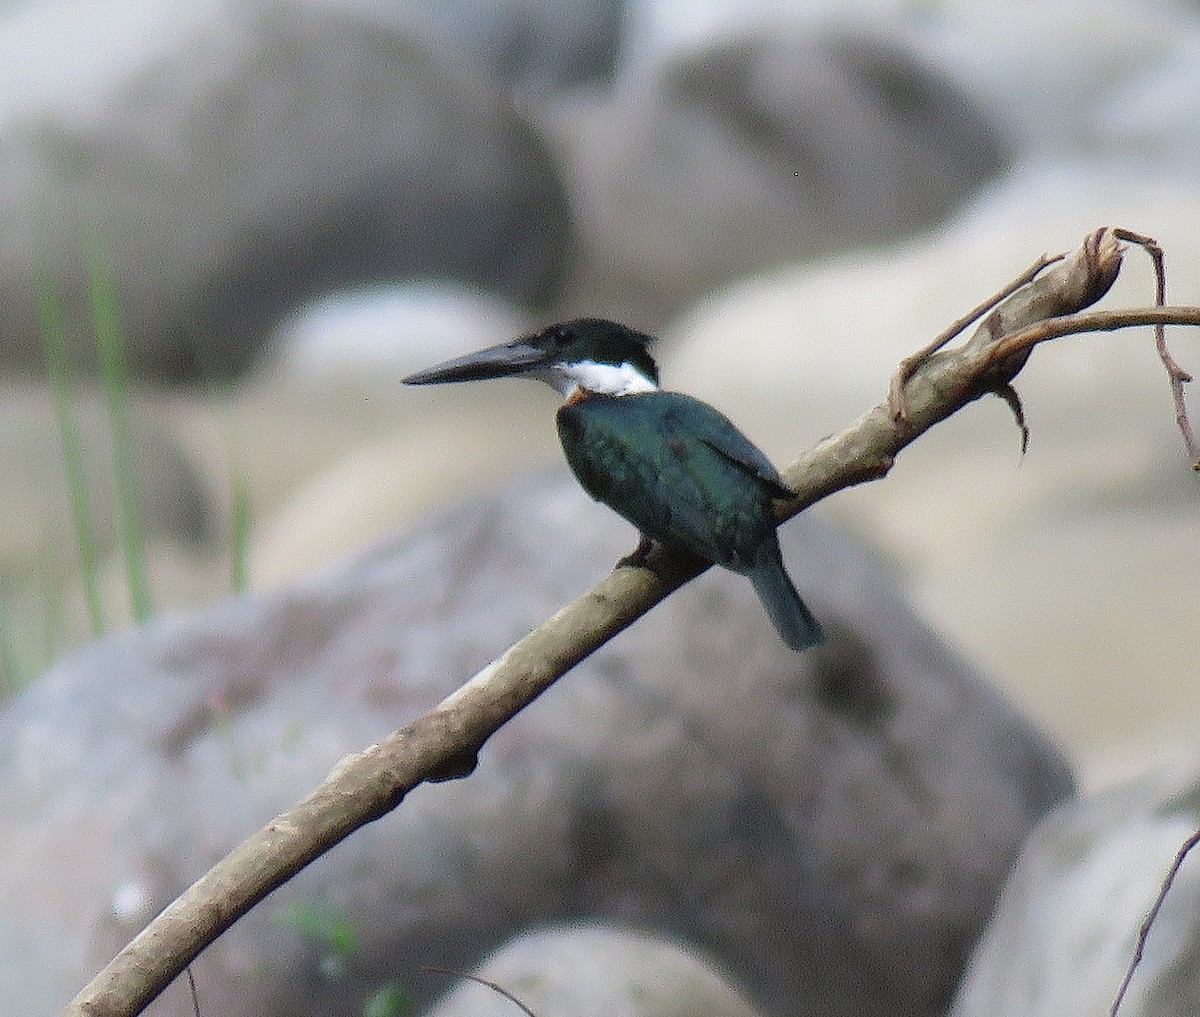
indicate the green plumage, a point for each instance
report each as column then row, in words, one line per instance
column 683, row 474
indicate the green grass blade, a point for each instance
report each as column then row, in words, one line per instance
column 11, row 676
column 54, row 345
column 114, row 372
column 242, row 504
column 242, row 514
column 54, row 635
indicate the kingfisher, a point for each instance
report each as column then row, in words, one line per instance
column 672, row 465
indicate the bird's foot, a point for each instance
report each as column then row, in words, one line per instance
column 636, row 558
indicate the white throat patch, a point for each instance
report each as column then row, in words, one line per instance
column 605, row 379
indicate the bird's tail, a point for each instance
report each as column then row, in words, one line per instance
column 791, row 618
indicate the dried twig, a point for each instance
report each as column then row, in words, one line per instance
column 1175, row 374
column 482, row 981
column 192, row 989
column 443, row 743
column 1144, row 931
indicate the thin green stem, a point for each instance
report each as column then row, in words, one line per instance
column 53, row 612
column 241, row 516
column 11, row 676
column 114, row 373
column 242, row 503
column 54, row 344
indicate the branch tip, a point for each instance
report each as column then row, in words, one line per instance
column 1176, row 375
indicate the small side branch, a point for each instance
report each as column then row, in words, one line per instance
column 1176, row 375
column 1144, row 932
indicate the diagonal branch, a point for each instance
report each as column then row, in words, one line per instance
column 443, row 743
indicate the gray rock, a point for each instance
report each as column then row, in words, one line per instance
column 1074, row 78
column 585, row 970
column 770, row 144
column 1079, row 78
column 536, row 47
column 831, row 828
column 1067, row 923
column 236, row 160
column 393, row 331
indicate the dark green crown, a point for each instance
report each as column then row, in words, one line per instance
column 598, row 340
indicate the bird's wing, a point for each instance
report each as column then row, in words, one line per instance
column 651, row 457
column 720, row 435
column 756, row 465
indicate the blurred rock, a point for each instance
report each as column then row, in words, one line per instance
column 1061, row 75
column 234, row 161
column 585, row 970
column 536, row 47
column 770, row 144
column 280, row 428
column 1067, row 923
column 473, row 441
column 397, row 330
column 1155, row 115
column 830, row 828
column 1064, row 78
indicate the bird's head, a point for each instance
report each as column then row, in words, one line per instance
column 590, row 353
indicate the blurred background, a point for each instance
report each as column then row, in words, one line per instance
column 227, row 230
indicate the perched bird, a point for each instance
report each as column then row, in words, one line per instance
column 672, row 465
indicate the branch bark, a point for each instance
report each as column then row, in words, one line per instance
column 444, row 743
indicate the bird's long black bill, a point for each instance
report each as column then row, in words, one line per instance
column 501, row 361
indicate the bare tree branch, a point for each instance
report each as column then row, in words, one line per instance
column 1144, row 932
column 443, row 744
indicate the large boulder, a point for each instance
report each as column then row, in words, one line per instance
column 772, row 143
column 1076, row 78
column 587, row 969
column 1067, row 925
column 537, row 48
column 831, row 828
column 225, row 162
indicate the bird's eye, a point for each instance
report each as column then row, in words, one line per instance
column 562, row 336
